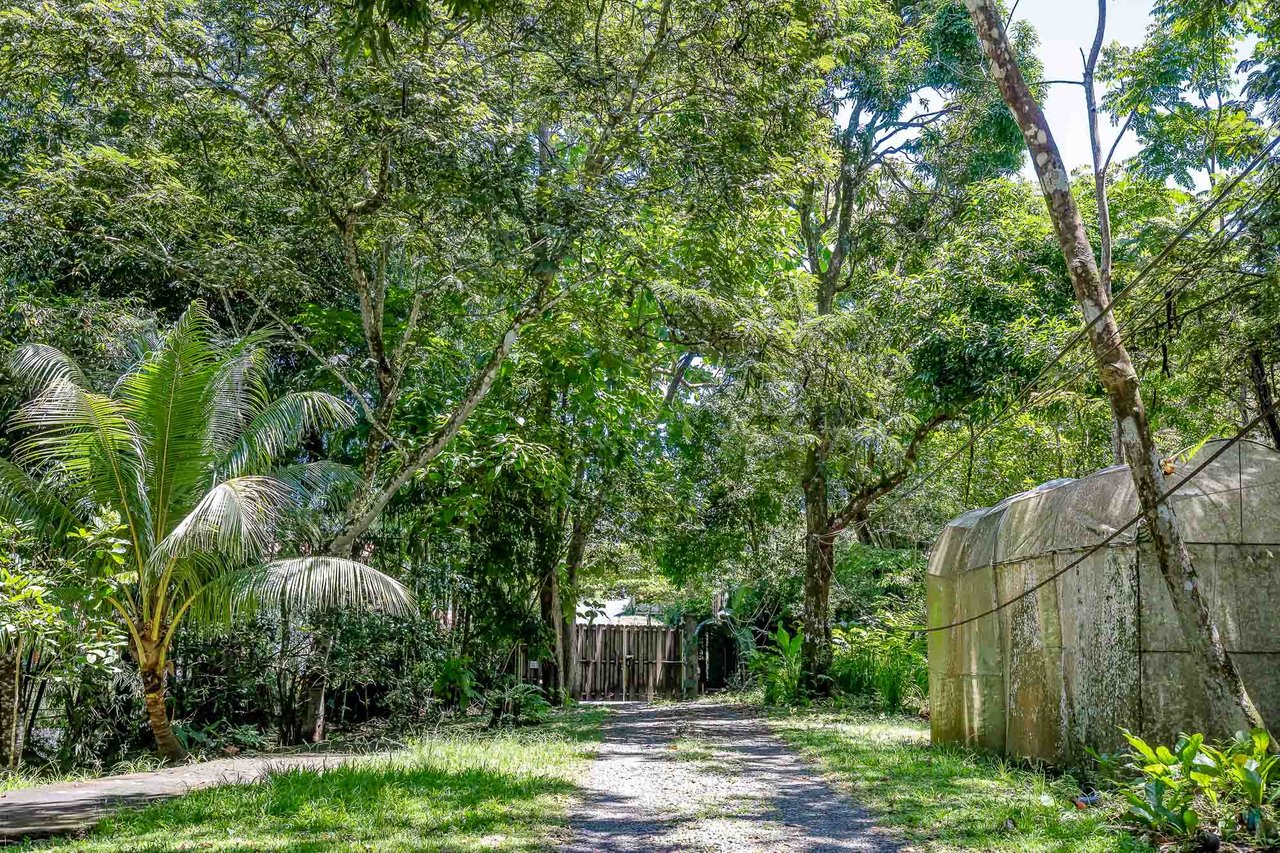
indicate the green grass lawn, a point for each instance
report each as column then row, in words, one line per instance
column 461, row 791
column 942, row 799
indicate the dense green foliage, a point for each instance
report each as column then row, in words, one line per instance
column 504, row 308
column 1193, row 789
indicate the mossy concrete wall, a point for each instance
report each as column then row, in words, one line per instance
column 1098, row 648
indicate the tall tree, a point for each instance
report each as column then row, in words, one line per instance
column 1229, row 701
column 908, row 129
column 187, row 452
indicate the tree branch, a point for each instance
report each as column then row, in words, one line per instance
column 864, row 497
column 365, row 515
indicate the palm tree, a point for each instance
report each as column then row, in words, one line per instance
column 186, row 451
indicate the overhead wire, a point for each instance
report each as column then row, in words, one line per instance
column 1111, row 537
column 1023, row 400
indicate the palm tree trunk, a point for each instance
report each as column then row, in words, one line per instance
column 153, row 696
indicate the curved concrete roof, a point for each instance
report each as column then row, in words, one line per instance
column 1236, row 498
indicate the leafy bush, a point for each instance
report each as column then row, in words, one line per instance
column 512, row 702
column 885, row 662
column 779, row 668
column 1194, row 788
column 455, row 683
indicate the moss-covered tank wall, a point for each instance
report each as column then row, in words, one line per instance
column 1098, row 648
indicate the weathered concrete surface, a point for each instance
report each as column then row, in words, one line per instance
column 75, row 806
column 1100, row 647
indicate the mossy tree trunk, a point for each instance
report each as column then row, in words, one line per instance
column 10, row 718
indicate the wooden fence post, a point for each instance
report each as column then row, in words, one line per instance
column 689, row 657
column 625, row 637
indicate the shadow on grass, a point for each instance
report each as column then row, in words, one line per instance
column 949, row 799
column 459, row 791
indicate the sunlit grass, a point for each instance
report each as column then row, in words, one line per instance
column 465, row 790
column 31, row 777
column 691, row 750
column 944, row 800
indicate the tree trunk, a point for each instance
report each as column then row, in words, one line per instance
column 549, row 611
column 10, row 728
column 860, row 518
column 1100, row 187
column 819, row 550
column 316, row 684
column 33, row 713
column 153, row 696
column 313, row 714
column 575, row 557
column 689, row 657
column 1229, row 702
column 1262, row 393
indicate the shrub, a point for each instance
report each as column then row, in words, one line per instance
column 513, row 702
column 779, row 668
column 885, row 662
column 1183, row 793
column 454, row 685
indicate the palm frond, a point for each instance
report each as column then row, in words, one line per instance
column 300, row 584
column 235, row 519
column 88, row 439
column 23, row 498
column 319, row 485
column 166, row 396
column 239, row 391
column 34, row 366
column 281, row 426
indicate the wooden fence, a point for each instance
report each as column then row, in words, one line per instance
column 627, row 662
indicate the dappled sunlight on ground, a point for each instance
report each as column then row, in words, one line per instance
column 946, row 800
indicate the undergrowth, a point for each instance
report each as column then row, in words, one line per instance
column 464, row 789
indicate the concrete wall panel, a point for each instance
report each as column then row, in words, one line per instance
column 1099, row 601
column 1173, row 700
column 1159, row 630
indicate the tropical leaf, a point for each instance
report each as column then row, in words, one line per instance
column 90, row 442
column 236, row 519
column 239, row 391
column 166, row 396
column 22, row 498
column 281, row 426
column 300, row 584
column 34, row 366
column 321, row 484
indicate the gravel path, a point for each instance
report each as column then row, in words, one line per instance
column 72, row 806
column 709, row 777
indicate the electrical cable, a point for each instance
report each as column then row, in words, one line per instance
column 1231, row 442
column 1022, row 400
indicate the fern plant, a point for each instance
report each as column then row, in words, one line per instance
column 185, row 450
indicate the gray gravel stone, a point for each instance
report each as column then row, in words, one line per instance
column 737, row 788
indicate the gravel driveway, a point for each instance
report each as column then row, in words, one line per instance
column 709, row 777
